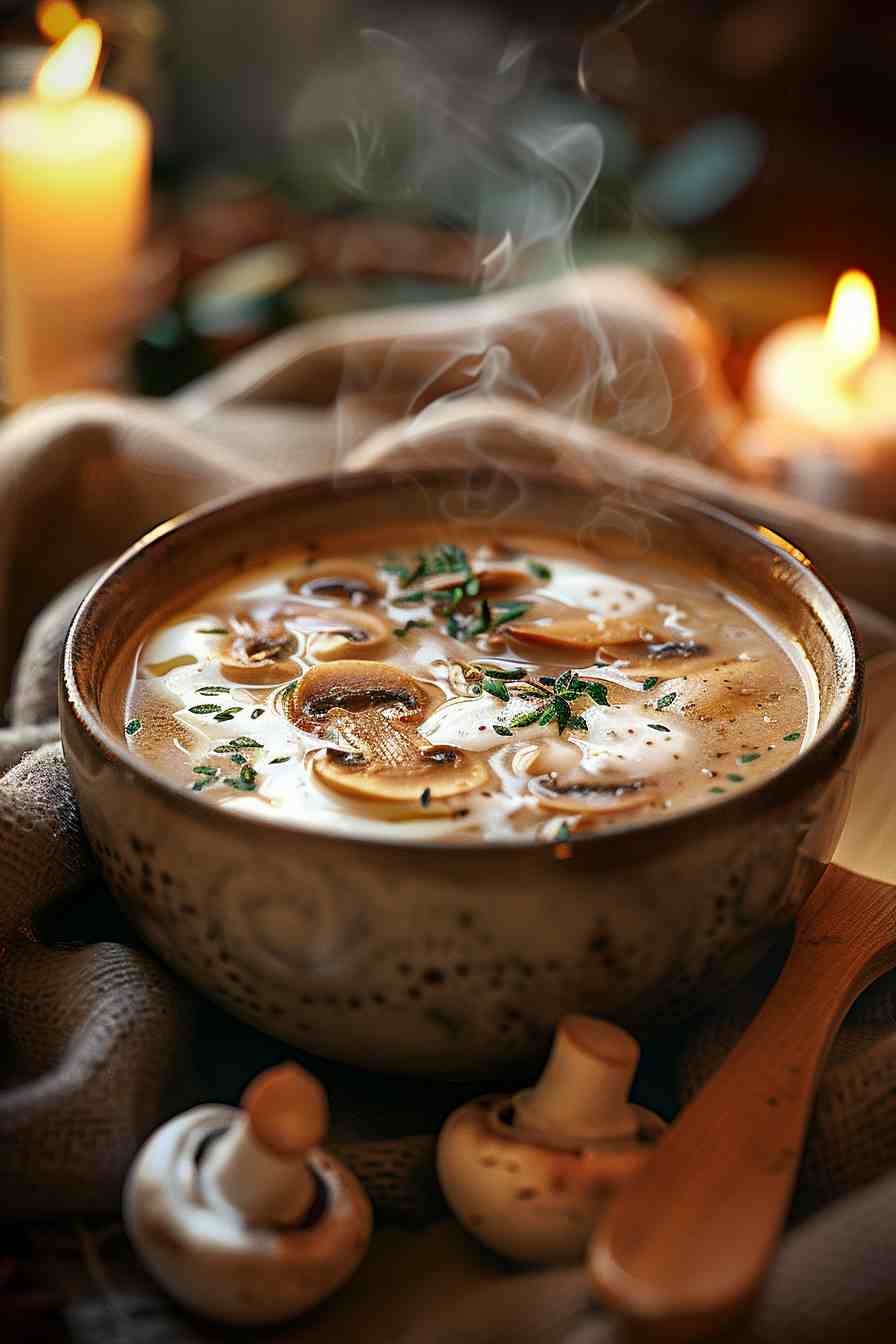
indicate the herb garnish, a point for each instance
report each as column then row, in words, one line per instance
column 256, row 713
column 205, row 770
column 716, row 789
column 562, row 835
column 649, row 684
column 212, row 690
column 425, row 797
column 402, row 630
column 735, row 779
column 496, row 687
column 502, row 731
column 214, row 630
column 659, row 727
column 132, row 726
column 279, row 760
column 750, row 756
column 205, row 709
column 247, row 774
column 238, row 758
column 244, row 785
column 236, row 744
column 792, row 737
column 554, row 704
column 666, row 700
column 539, row 570
column 225, row 716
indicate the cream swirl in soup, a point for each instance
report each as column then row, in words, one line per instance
column 454, row 687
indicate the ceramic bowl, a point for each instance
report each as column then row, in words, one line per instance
column 451, row 959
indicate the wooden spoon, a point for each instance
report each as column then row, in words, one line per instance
column 683, row 1249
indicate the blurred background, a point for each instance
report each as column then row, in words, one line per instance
column 321, row 156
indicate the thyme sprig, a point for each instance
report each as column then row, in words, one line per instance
column 555, row 702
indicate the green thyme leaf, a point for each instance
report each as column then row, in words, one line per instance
column 649, row 684
column 205, row 770
column 471, row 587
column 527, row 718
column 205, row 709
column 510, row 613
column 659, row 727
column 716, row 789
column 748, row 757
column 505, row 673
column 495, row 688
column 214, row 630
column 425, row 797
column 237, row 744
column 401, row 631
column 482, row 622
column 132, row 726
column 224, row 717
column 256, row 713
column 279, row 760
column 562, row 835
column 247, row 774
column 538, row 570
column 244, row 785
column 212, row 690
column 238, row 758
column 792, row 737
column 666, row 700
column 735, row 779
column 564, row 714
column 502, row 731
column 407, row 598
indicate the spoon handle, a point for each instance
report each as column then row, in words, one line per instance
column 683, row 1248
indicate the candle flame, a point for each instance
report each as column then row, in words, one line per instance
column 852, row 333
column 57, row 18
column 69, row 69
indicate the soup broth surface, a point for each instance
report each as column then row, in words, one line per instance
column 448, row 686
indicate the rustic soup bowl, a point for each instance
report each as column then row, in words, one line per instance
column 434, row 958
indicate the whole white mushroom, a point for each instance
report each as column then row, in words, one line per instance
column 239, row 1213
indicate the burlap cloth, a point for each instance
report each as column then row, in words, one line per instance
column 101, row 1042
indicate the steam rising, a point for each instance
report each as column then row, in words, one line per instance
column 451, row 123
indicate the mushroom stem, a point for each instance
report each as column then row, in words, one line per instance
column 583, row 1092
column 258, row 1166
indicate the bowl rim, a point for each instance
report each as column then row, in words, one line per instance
column 798, row 772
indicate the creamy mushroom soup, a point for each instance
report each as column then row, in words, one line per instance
column 453, row 687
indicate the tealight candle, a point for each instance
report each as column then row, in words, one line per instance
column 822, row 397
column 73, row 187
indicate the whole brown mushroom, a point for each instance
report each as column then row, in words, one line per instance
column 529, row 1175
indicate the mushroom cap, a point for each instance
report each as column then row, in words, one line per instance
column 338, row 579
column 259, row 653
column 489, row 581
column 579, row 635
column 218, row 1266
column 345, row 630
column 434, row 772
column 527, row 1202
column 355, row 685
column 590, row 796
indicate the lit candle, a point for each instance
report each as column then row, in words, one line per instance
column 822, row 399
column 73, row 188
